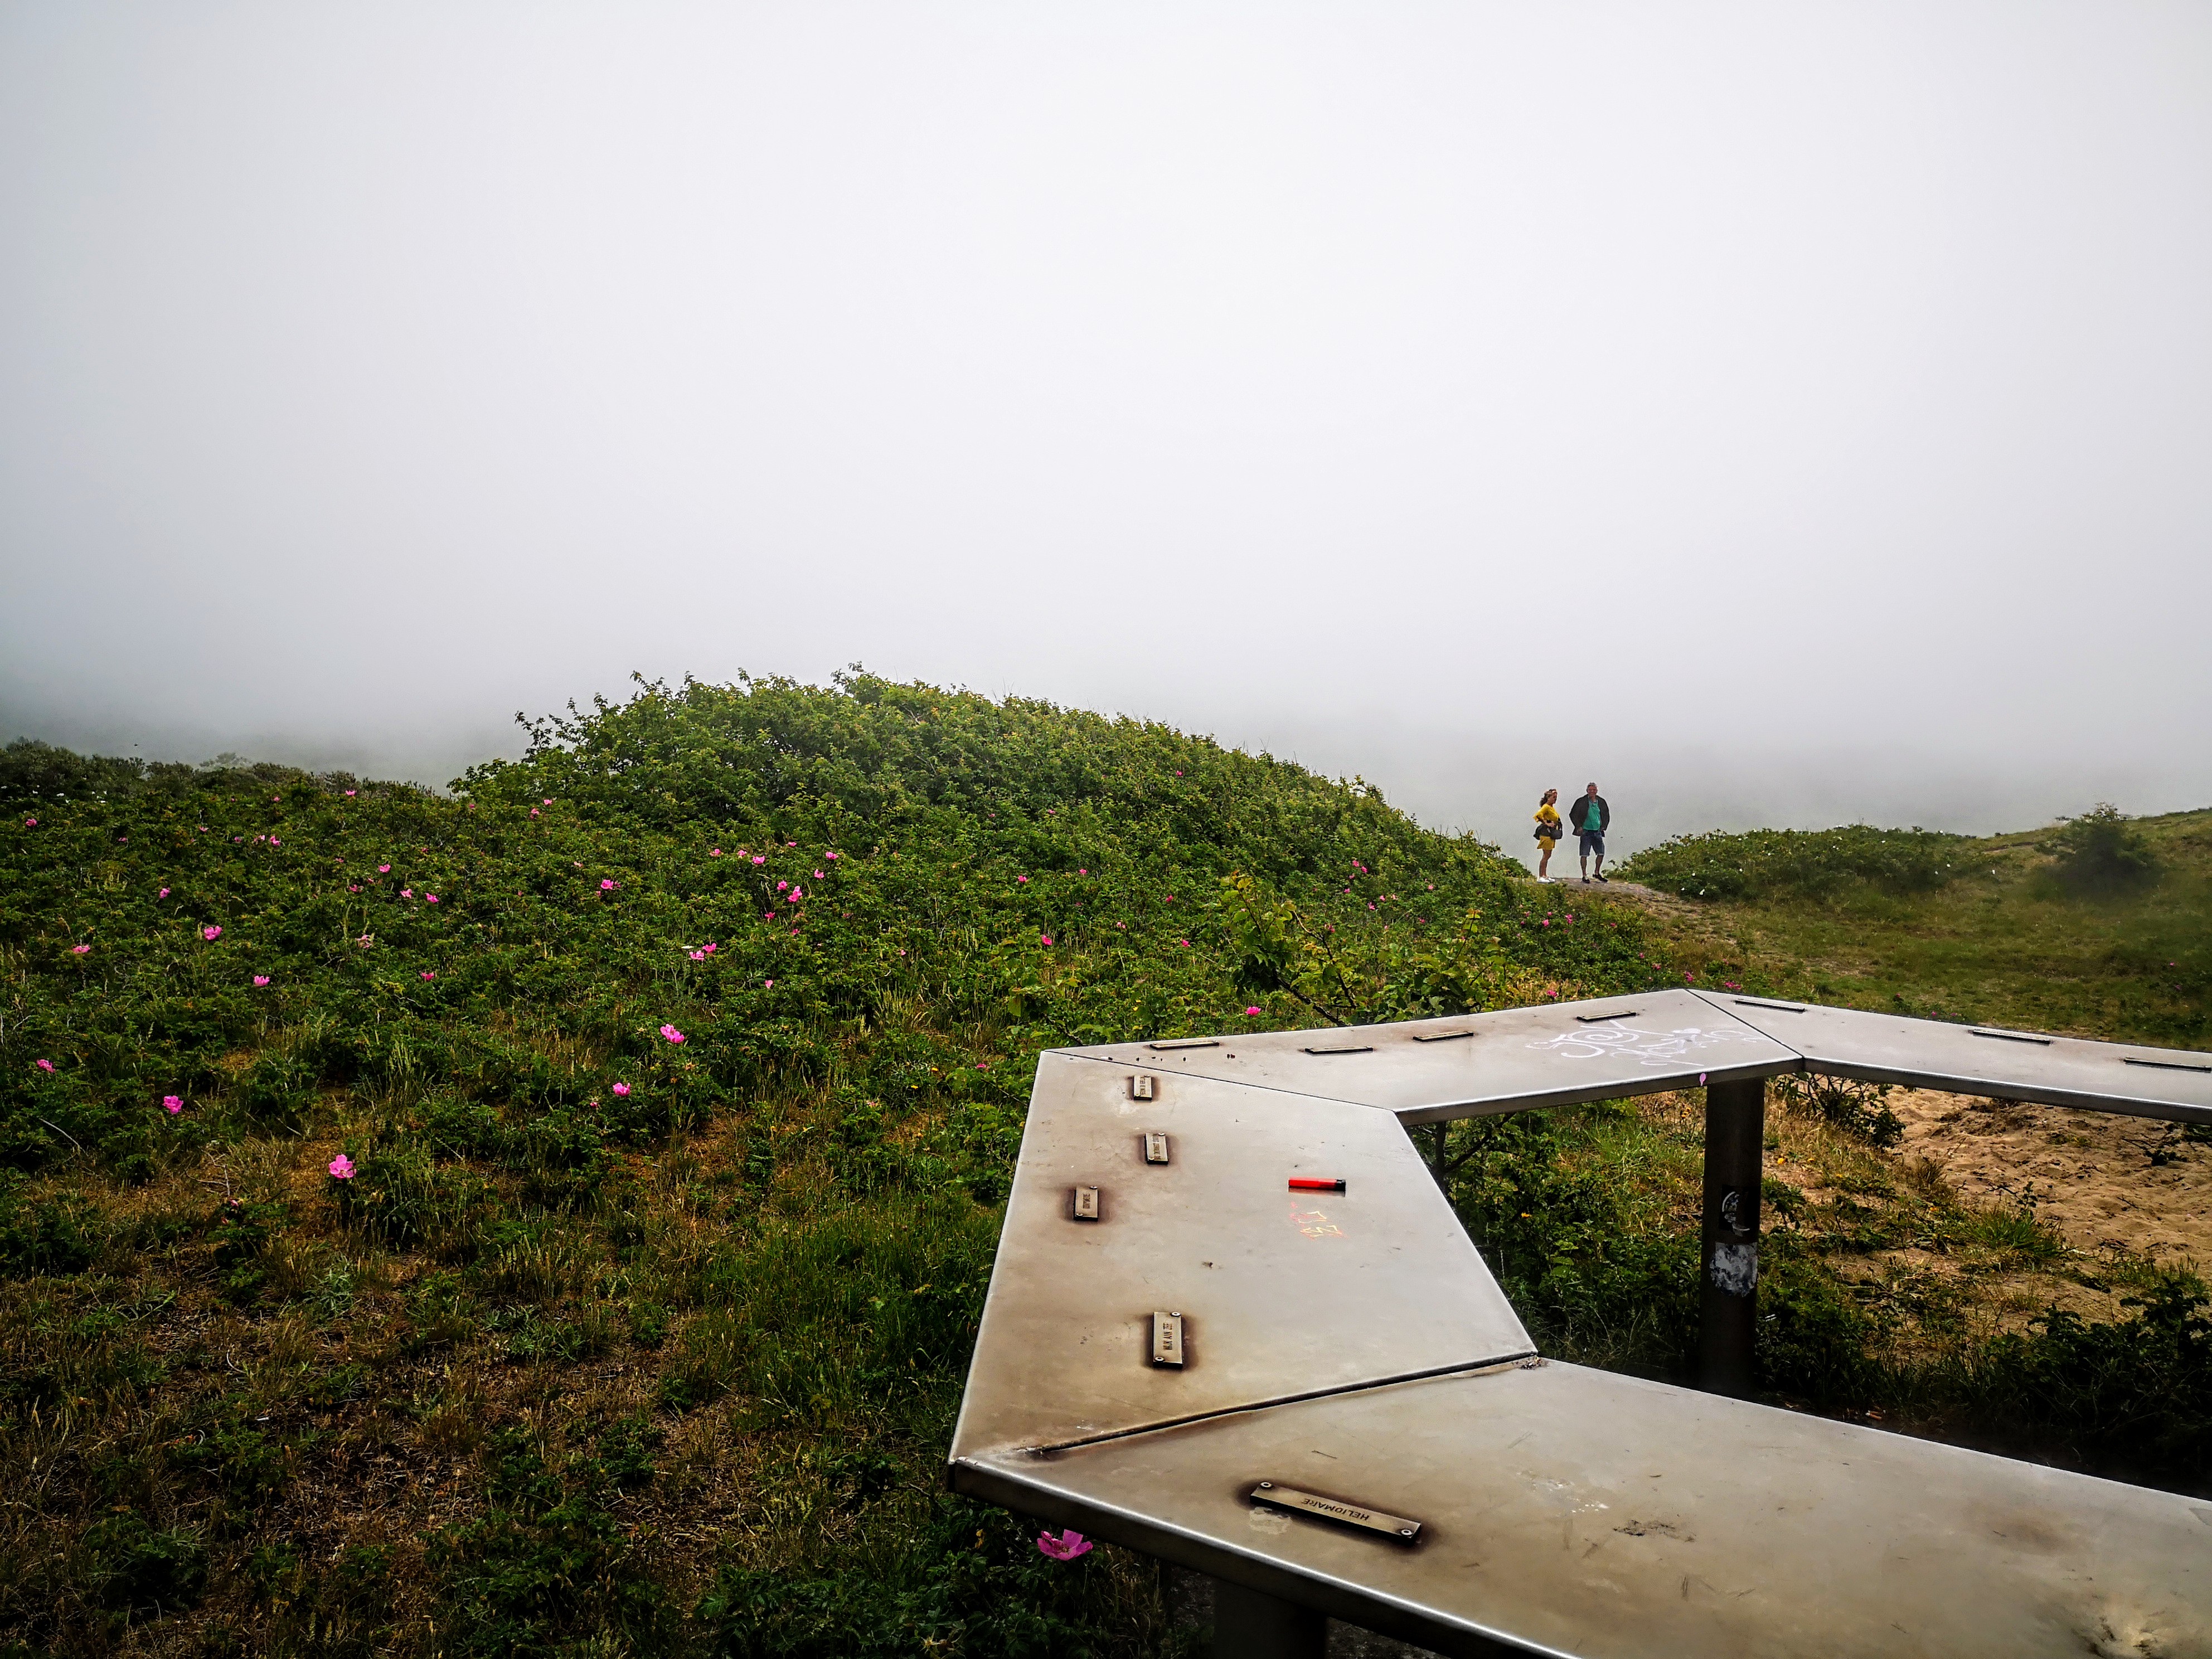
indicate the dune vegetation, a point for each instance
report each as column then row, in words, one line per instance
column 549, row 1215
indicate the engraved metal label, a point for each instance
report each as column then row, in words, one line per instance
column 1442, row 1037
column 1350, row 1048
column 1778, row 1007
column 2012, row 1036
column 1187, row 1043
column 1331, row 1509
column 1141, row 1087
column 2165, row 1065
column 1156, row 1146
column 1086, row 1204
column 1600, row 1019
column 1167, row 1338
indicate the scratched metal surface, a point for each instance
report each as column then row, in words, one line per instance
column 1281, row 1294
column 1927, row 1054
column 1573, row 1511
column 1508, row 1060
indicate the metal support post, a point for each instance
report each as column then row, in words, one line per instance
column 1727, row 1321
column 1249, row 1625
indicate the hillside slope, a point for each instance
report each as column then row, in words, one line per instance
column 550, row 1218
column 677, row 1071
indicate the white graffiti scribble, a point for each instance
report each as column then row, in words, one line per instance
column 1634, row 1043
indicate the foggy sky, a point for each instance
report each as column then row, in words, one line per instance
column 1777, row 414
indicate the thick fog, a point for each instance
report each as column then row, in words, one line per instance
column 1775, row 413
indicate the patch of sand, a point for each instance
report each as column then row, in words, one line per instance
column 2092, row 1172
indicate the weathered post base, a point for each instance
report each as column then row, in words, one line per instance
column 1249, row 1625
column 1727, row 1321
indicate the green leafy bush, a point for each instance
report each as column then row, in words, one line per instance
column 1798, row 864
column 2102, row 853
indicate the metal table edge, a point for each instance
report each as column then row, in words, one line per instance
column 991, row 1480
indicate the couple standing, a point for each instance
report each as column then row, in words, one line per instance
column 1588, row 818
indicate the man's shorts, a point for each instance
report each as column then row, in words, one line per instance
column 1593, row 841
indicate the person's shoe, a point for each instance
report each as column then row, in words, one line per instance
column 1602, row 876
column 1586, row 880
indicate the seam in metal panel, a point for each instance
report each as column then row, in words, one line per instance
column 1461, row 1368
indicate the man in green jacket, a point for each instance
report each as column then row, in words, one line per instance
column 1589, row 818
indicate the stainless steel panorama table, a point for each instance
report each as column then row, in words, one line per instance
column 1234, row 1322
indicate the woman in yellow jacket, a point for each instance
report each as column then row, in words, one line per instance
column 1547, row 833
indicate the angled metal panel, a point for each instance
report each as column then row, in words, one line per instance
column 1428, row 1071
column 1281, row 1293
column 1986, row 1059
column 1572, row 1511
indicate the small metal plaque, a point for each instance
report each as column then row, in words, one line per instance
column 1442, row 1037
column 1349, row 1048
column 2012, row 1036
column 1778, row 1007
column 1167, row 1340
column 1600, row 1019
column 1156, row 1146
column 1331, row 1509
column 1187, row 1043
column 1086, row 1204
column 2165, row 1065
column 1141, row 1087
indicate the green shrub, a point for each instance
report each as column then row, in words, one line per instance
column 1860, row 1109
column 1798, row 864
column 2102, row 853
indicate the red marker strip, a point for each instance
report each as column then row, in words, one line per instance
column 1300, row 1184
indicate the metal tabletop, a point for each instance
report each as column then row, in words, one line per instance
column 1281, row 1293
column 1985, row 1059
column 1427, row 1070
column 1351, row 1346
column 1572, row 1511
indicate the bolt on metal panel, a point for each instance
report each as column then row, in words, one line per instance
column 1282, row 1293
column 1564, row 1510
column 1429, row 1071
column 1985, row 1059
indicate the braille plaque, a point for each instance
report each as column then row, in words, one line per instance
column 1155, row 1147
column 1441, row 1036
column 1086, row 1204
column 1141, row 1088
column 1187, row 1043
column 1332, row 1509
column 1167, row 1340
column 1348, row 1048
column 1600, row 1019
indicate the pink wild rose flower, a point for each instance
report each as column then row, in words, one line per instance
column 622, row 1088
column 210, row 933
column 607, row 886
column 1067, row 1546
column 79, row 950
column 45, row 1064
column 672, row 1034
column 171, row 1105
column 1251, row 1013
column 429, row 973
column 164, row 893
column 261, row 979
column 341, row 1167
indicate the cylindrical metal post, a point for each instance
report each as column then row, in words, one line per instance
column 1727, row 1321
column 1249, row 1625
